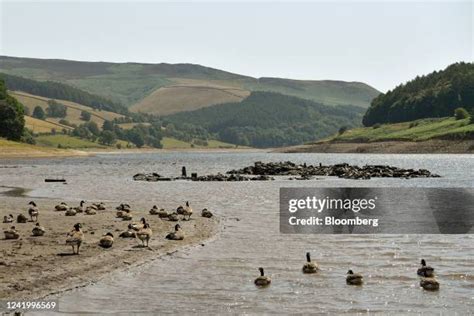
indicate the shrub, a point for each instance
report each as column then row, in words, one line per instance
column 342, row 130
column 38, row 113
column 461, row 113
column 377, row 125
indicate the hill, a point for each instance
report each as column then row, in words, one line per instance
column 140, row 86
column 267, row 119
column 435, row 95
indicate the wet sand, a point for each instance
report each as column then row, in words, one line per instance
column 33, row 267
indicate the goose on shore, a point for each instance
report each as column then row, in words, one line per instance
column 33, row 211
column 61, row 207
column 187, row 211
column 80, row 208
column 128, row 234
column 177, row 234
column 75, row 238
column 91, row 210
column 154, row 210
column 310, row 267
column 8, row 218
column 424, row 270
column 12, row 233
column 38, row 230
column 354, row 278
column 173, row 217
column 137, row 226
column 206, row 213
column 180, row 210
column 127, row 216
column 123, row 207
column 99, row 206
column 107, row 240
column 21, row 219
column 144, row 234
column 429, row 284
column 262, row 280
column 70, row 212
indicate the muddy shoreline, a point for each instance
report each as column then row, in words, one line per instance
column 36, row 267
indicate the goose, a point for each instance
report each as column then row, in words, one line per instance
column 310, row 267
column 128, row 234
column 180, row 210
column 75, row 238
column 144, row 234
column 70, row 212
column 424, row 270
column 429, row 284
column 127, row 216
column 80, row 208
column 91, row 210
column 12, row 233
column 262, row 280
column 8, row 218
column 177, row 234
column 38, row 230
column 187, row 211
column 123, row 207
column 107, row 240
column 173, row 217
column 137, row 226
column 154, row 210
column 354, row 278
column 99, row 206
column 160, row 212
column 61, row 207
column 21, row 219
column 206, row 213
column 33, row 211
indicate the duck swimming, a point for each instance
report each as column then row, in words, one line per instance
column 206, row 213
column 75, row 238
column 38, row 230
column 177, row 234
column 12, row 233
column 429, row 284
column 144, row 234
column 354, row 278
column 310, row 267
column 107, row 240
column 424, row 270
column 262, row 280
column 33, row 211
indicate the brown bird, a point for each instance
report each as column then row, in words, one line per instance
column 107, row 240
column 21, row 219
column 424, row 270
column 262, row 280
column 310, row 267
column 177, row 234
column 354, row 278
column 8, row 218
column 144, row 234
column 38, row 230
column 206, row 213
column 33, row 211
column 12, row 233
column 75, row 238
column 429, row 284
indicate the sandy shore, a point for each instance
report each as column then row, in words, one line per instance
column 34, row 267
column 388, row 147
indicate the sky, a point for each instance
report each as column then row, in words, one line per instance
column 380, row 43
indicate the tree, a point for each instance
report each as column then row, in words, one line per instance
column 38, row 113
column 93, row 128
column 108, row 126
column 342, row 130
column 107, row 138
column 461, row 113
column 85, row 116
column 56, row 109
column 136, row 138
column 12, row 122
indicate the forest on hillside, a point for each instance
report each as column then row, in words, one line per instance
column 56, row 90
column 266, row 119
column 12, row 122
column 435, row 95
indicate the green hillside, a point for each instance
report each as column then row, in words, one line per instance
column 266, row 119
column 130, row 83
column 435, row 95
column 420, row 130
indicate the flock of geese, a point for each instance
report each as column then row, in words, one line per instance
column 140, row 230
column 427, row 282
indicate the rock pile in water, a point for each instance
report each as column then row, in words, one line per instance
column 232, row 177
column 150, row 177
column 343, row 170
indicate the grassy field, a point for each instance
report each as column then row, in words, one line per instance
column 66, row 141
column 40, row 126
column 9, row 149
column 131, row 125
column 420, row 130
column 73, row 109
column 173, row 143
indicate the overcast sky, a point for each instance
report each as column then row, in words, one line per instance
column 382, row 44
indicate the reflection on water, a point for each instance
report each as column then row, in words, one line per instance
column 218, row 278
